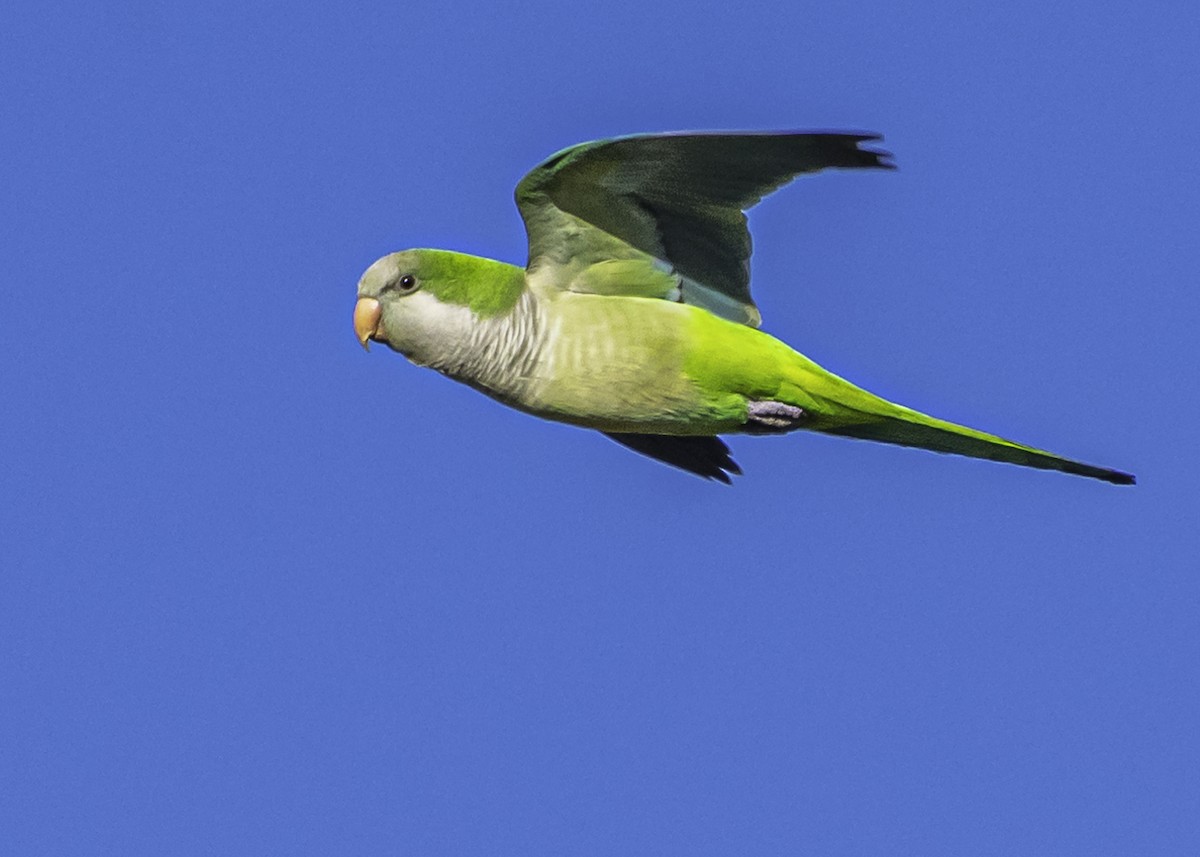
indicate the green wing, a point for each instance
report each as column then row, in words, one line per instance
column 662, row 215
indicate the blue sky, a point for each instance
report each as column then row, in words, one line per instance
column 264, row 593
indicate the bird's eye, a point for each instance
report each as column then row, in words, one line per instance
column 407, row 283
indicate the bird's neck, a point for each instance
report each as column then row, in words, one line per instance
column 495, row 354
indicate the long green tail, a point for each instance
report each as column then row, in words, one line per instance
column 940, row 436
column 846, row 410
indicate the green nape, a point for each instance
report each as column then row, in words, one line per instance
column 486, row 286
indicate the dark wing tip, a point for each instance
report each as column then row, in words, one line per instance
column 707, row 457
column 854, row 154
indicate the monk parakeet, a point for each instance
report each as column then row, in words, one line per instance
column 633, row 315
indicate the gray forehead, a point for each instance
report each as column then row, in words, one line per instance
column 381, row 272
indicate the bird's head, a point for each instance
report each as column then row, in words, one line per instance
column 391, row 307
column 426, row 303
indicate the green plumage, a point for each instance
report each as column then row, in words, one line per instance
column 487, row 287
column 634, row 314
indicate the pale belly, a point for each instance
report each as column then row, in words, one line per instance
column 619, row 365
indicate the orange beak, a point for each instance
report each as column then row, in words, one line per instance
column 367, row 313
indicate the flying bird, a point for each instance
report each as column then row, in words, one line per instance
column 634, row 316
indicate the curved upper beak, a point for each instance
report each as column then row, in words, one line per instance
column 367, row 313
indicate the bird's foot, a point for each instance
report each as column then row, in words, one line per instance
column 773, row 418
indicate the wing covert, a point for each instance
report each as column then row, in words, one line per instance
column 671, row 204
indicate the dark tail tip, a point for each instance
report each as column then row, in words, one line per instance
column 1116, row 477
